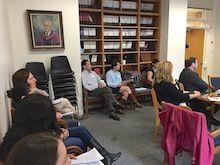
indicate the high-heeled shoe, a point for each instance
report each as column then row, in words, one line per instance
column 137, row 105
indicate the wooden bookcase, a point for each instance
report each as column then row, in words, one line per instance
column 126, row 30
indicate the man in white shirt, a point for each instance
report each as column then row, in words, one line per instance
column 97, row 87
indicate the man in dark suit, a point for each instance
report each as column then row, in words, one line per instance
column 190, row 78
column 192, row 82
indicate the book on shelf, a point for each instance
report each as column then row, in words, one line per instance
column 94, row 58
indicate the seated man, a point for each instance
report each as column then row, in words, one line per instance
column 114, row 81
column 97, row 87
column 190, row 78
column 149, row 71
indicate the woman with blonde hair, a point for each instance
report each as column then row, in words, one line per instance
column 167, row 91
column 164, row 87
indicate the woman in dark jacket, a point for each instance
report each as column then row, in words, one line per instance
column 166, row 91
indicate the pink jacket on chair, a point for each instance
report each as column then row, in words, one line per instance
column 186, row 130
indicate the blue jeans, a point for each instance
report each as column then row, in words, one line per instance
column 79, row 136
column 74, row 141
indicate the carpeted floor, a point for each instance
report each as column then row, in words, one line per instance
column 132, row 136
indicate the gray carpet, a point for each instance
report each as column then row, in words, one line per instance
column 132, row 136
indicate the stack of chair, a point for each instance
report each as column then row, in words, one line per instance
column 39, row 72
column 63, row 79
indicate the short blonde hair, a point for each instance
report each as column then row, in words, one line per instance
column 164, row 72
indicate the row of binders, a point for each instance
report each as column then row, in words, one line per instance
column 123, row 19
column 124, row 5
column 112, row 45
column 88, row 32
column 113, row 4
column 127, row 19
column 115, row 32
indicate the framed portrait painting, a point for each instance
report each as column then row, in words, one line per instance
column 46, row 29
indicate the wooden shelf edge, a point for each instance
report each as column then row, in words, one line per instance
column 145, row 62
column 96, row 66
column 129, row 64
column 98, row 53
column 90, row 10
column 148, row 51
column 90, row 25
column 90, row 39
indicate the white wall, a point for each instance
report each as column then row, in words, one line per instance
column 21, row 48
column 5, row 69
column 208, row 54
column 174, row 51
column 216, row 58
column 164, row 29
column 203, row 4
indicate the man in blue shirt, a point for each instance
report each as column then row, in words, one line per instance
column 114, row 81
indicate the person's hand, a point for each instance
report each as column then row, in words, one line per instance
column 65, row 133
column 59, row 115
column 72, row 156
column 123, row 83
column 101, row 85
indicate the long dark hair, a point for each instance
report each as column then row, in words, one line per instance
column 18, row 92
column 35, row 149
column 20, row 76
column 35, row 113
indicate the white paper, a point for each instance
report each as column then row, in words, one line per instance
column 214, row 98
column 68, row 113
column 140, row 89
column 91, row 157
column 186, row 92
column 93, row 163
column 94, row 58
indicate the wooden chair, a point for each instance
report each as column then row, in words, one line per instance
column 180, row 85
column 74, row 150
column 92, row 100
column 214, row 82
column 89, row 100
column 215, row 134
column 157, row 107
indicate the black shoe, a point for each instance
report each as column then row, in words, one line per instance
column 110, row 158
column 114, row 116
column 119, row 111
column 118, row 106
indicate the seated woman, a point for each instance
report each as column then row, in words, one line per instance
column 114, row 81
column 35, row 113
column 166, row 91
column 45, row 149
column 22, row 76
column 149, row 73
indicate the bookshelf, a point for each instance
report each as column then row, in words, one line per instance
column 124, row 30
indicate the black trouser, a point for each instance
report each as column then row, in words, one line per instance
column 107, row 94
column 199, row 106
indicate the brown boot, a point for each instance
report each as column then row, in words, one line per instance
column 128, row 104
column 135, row 102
